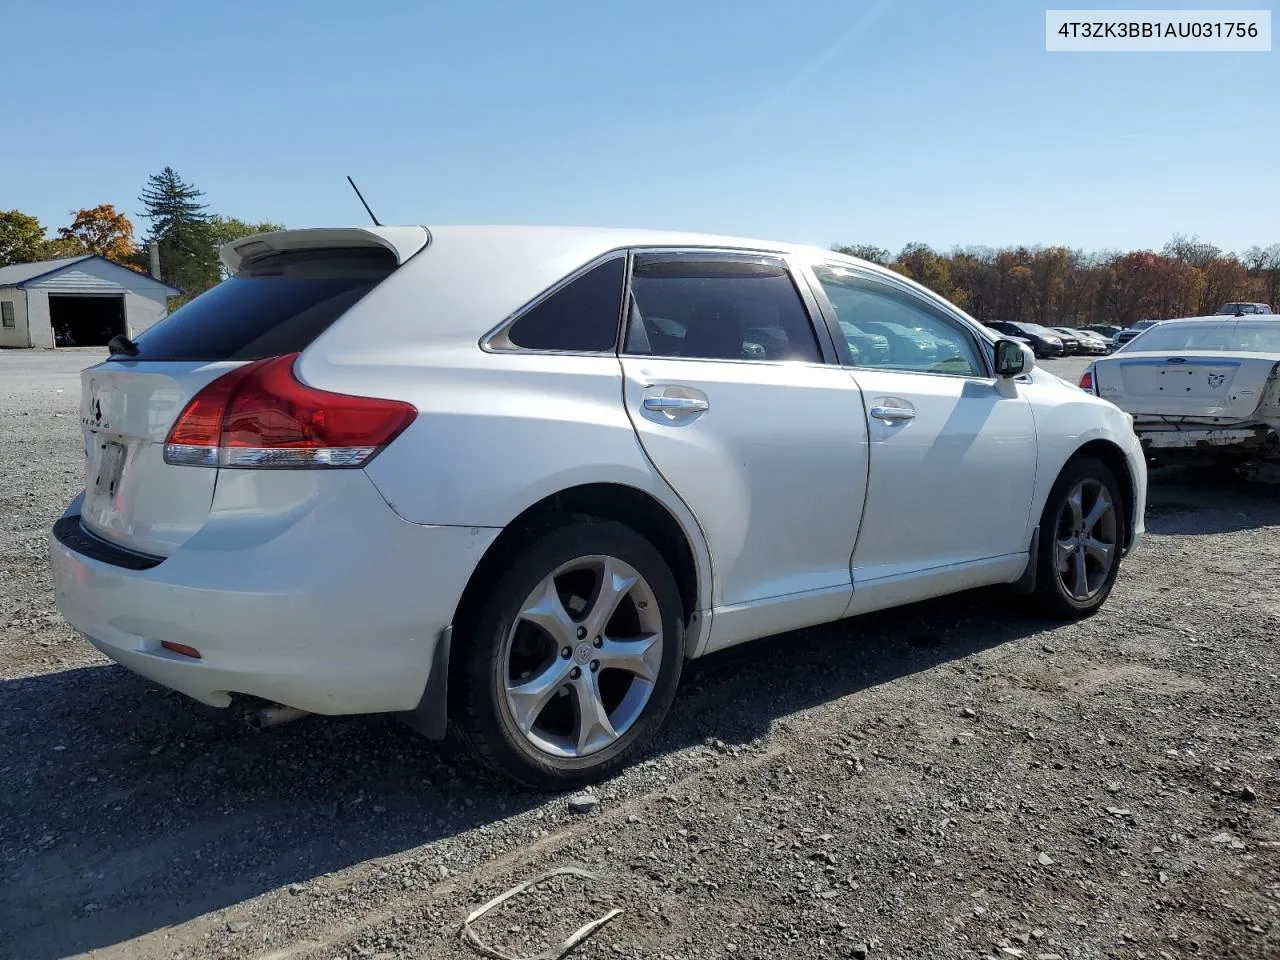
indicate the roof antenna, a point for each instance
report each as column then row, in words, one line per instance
column 366, row 206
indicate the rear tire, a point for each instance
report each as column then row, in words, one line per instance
column 568, row 663
column 1081, row 537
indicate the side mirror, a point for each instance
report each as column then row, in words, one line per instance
column 1012, row 359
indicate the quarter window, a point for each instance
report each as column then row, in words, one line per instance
column 717, row 308
column 888, row 328
column 580, row 317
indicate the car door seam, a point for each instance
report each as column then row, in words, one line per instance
column 705, row 615
column 866, row 487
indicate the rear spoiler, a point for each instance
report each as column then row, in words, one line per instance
column 404, row 242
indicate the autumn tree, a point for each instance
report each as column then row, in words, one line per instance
column 976, row 282
column 1225, row 280
column 183, row 228
column 1048, row 268
column 63, row 248
column 104, row 231
column 21, row 238
column 1191, row 250
column 1263, row 264
column 923, row 265
column 865, row 251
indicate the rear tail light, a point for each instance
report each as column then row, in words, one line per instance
column 260, row 416
column 1086, row 382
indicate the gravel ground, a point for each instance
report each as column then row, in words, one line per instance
column 955, row 779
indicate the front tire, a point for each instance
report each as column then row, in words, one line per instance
column 1081, row 536
column 570, row 660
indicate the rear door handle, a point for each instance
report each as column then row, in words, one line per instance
column 676, row 406
column 893, row 414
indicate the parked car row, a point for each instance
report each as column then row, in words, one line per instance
column 1096, row 339
column 1087, row 342
column 1053, row 341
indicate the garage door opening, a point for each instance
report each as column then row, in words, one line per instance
column 85, row 321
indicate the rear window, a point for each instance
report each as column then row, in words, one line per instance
column 277, row 305
column 1257, row 336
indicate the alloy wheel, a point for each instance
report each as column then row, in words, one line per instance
column 583, row 657
column 1085, row 545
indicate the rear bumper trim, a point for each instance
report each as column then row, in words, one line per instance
column 69, row 532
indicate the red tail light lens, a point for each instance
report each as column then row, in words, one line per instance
column 1086, row 382
column 261, row 416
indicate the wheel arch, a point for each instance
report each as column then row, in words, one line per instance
column 1111, row 454
column 1114, row 456
column 635, row 508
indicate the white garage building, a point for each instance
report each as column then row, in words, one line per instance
column 84, row 301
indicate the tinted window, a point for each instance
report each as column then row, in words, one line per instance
column 717, row 309
column 581, row 316
column 909, row 334
column 276, row 306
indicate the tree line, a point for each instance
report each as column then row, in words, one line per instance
column 1059, row 286
column 187, row 234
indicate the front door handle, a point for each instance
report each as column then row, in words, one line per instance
column 676, row 406
column 893, row 414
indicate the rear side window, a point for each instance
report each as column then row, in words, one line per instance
column 580, row 317
column 277, row 305
column 717, row 309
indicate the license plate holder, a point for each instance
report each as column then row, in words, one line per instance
column 111, row 459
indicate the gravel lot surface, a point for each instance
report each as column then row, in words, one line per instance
column 956, row 779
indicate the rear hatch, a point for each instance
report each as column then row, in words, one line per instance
column 1195, row 384
column 285, row 290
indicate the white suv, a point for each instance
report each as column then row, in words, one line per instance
column 511, row 478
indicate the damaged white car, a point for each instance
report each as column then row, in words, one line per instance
column 1201, row 390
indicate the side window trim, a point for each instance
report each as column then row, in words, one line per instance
column 813, row 306
column 497, row 340
column 981, row 348
column 794, row 270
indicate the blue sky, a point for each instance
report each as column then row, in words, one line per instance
column 816, row 121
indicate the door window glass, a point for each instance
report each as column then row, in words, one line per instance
column 717, row 309
column 889, row 328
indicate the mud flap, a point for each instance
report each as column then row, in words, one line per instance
column 431, row 716
column 1026, row 584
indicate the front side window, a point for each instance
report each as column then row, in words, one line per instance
column 717, row 308
column 889, row 328
column 580, row 317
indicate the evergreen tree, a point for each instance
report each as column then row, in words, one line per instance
column 188, row 259
column 170, row 201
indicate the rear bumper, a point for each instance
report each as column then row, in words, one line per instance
column 1251, row 440
column 332, row 608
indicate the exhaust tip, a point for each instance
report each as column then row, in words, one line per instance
column 272, row 715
